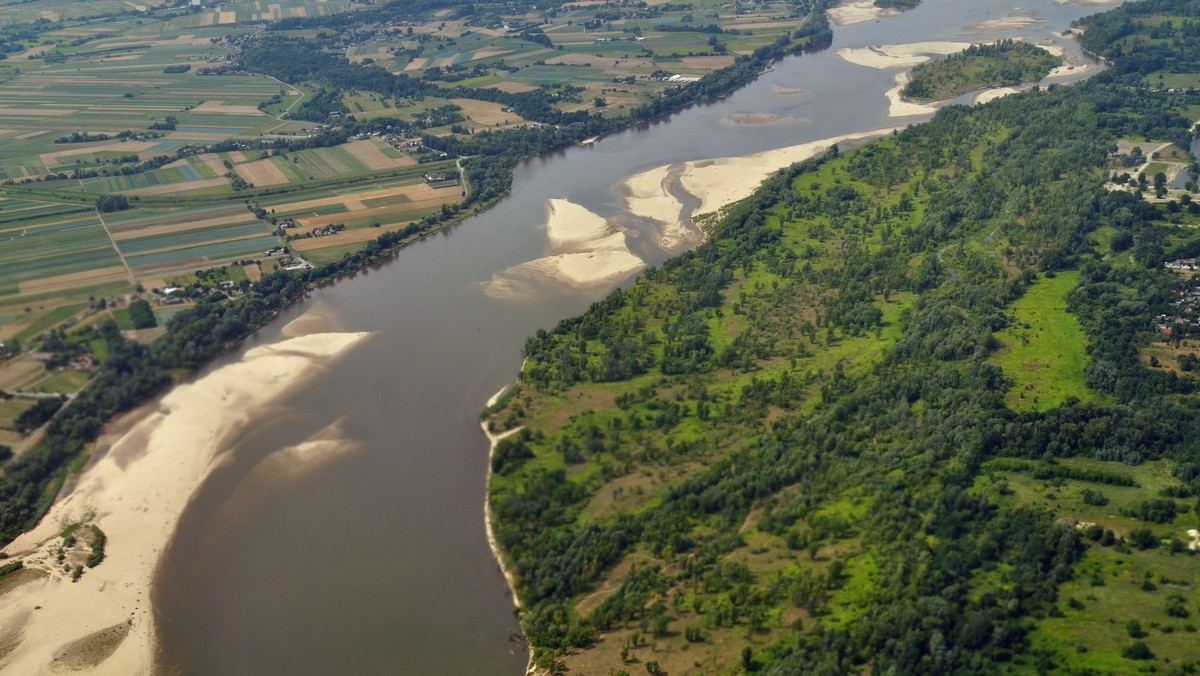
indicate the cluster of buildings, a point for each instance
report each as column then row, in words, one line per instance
column 1185, row 309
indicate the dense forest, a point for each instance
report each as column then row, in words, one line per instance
column 811, row 446
column 1007, row 62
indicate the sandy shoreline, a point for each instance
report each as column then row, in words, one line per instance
column 135, row 493
column 898, row 106
column 721, row 181
column 493, row 543
column 862, row 11
column 899, row 56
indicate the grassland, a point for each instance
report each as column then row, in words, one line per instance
column 1045, row 348
column 1117, row 583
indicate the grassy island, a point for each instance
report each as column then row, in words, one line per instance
column 1007, row 62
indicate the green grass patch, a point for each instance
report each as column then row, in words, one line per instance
column 1045, row 350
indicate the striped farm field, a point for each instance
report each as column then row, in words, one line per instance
column 206, row 252
column 192, row 237
column 34, row 267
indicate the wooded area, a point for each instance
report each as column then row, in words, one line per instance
column 790, row 449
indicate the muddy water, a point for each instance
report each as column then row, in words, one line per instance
column 374, row 560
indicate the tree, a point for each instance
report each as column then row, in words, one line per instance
column 142, row 315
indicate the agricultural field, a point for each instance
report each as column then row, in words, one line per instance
column 214, row 165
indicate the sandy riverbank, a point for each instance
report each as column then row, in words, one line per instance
column 862, row 11
column 899, row 56
column 898, row 106
column 493, row 543
column 722, row 181
column 135, row 492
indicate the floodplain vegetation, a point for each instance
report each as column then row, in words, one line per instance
column 923, row 406
column 1004, row 63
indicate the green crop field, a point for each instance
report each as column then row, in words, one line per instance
column 207, row 252
column 192, row 237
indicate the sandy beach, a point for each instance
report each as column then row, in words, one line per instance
column 898, row 106
column 899, row 56
column 993, row 94
column 135, row 493
column 862, row 11
column 722, row 181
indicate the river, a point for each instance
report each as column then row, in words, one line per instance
column 377, row 562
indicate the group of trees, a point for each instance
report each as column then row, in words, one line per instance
column 1007, row 62
column 803, row 265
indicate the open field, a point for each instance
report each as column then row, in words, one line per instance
column 1044, row 350
column 1114, row 584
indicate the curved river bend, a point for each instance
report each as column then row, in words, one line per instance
column 376, row 561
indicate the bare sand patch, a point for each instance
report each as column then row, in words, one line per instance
column 168, row 188
column 1014, row 20
column 898, row 106
column 759, row 118
column 135, row 492
column 899, row 56
column 788, row 91
column 261, row 172
column 726, row 180
column 585, row 270
column 851, row 13
column 571, row 225
column 648, row 194
column 75, row 280
column 993, row 94
column 586, row 251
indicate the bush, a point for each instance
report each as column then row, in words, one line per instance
column 1137, row 651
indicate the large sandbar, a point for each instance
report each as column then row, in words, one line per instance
column 135, row 492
